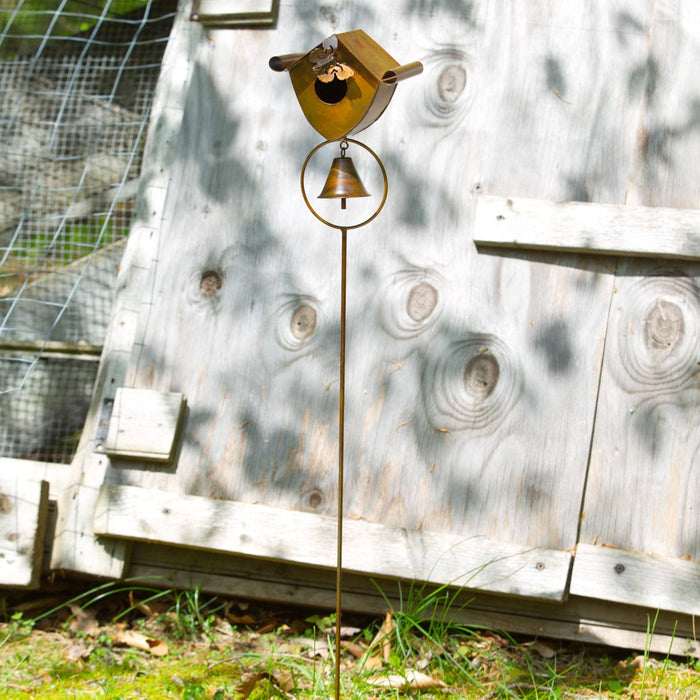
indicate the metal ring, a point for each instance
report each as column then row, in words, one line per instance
column 316, row 214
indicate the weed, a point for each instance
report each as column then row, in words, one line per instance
column 192, row 616
column 18, row 627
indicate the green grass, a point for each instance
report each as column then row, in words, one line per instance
column 216, row 651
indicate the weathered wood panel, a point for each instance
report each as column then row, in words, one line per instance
column 587, row 228
column 23, row 512
column 472, row 375
column 459, row 364
column 659, row 583
column 253, row 530
column 644, row 477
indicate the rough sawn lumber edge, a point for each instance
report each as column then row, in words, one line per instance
column 307, row 538
column 605, row 229
column 663, row 583
column 24, row 508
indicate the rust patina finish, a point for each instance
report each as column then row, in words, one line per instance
column 345, row 83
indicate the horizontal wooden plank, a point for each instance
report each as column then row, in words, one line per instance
column 635, row 578
column 23, row 511
column 307, row 538
column 144, row 424
column 234, row 13
column 607, row 229
column 579, row 619
column 56, row 474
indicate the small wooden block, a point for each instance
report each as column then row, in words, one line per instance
column 145, row 424
column 23, row 511
column 635, row 578
column 234, row 13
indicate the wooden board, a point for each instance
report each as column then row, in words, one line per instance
column 23, row 512
column 234, row 13
column 644, row 477
column 579, row 619
column 659, row 583
column 656, row 232
column 306, row 538
column 144, row 425
column 428, row 444
column 472, row 374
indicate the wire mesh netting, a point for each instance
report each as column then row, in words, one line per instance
column 77, row 79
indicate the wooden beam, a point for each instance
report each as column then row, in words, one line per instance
column 617, row 575
column 56, row 474
column 606, row 229
column 235, row 13
column 23, row 512
column 578, row 619
column 307, row 538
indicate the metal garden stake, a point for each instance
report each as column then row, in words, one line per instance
column 343, row 85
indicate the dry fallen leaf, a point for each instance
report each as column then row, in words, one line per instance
column 383, row 636
column 138, row 640
column 249, row 681
column 355, row 649
column 411, row 680
column 84, row 621
column 78, row 650
column 544, row 650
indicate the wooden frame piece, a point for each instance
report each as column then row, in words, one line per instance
column 306, row 538
column 235, row 13
column 23, row 513
column 581, row 227
column 617, row 575
column 579, row 619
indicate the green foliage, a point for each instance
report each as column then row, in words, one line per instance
column 19, row 627
column 35, row 19
column 194, row 616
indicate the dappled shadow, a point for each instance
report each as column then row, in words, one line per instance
column 472, row 375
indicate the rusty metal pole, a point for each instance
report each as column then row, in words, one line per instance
column 341, row 194
column 341, row 452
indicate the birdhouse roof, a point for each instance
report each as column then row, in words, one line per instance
column 357, row 45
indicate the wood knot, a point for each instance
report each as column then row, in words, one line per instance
column 450, row 94
column 422, row 300
column 210, row 283
column 471, row 384
column 663, row 326
column 656, row 333
column 451, row 82
column 481, row 375
column 315, row 499
column 410, row 302
column 303, row 322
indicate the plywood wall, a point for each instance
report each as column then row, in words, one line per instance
column 480, row 380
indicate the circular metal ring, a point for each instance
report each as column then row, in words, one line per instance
column 316, row 214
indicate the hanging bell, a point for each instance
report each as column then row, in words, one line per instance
column 343, row 181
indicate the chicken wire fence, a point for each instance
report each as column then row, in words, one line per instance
column 77, row 79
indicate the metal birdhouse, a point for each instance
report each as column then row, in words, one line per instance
column 345, row 83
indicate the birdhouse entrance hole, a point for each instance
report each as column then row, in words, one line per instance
column 331, row 92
